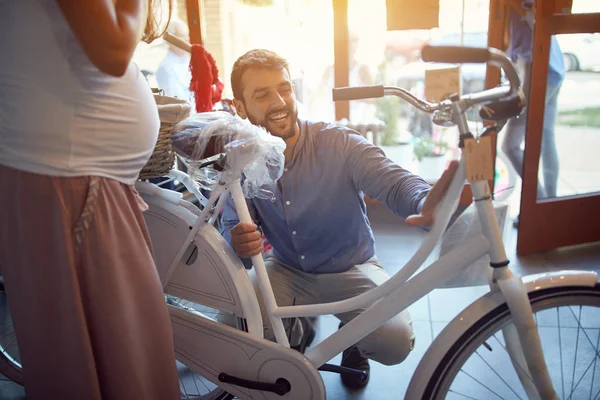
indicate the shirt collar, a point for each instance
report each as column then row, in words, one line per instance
column 303, row 132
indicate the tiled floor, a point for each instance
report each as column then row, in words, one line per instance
column 395, row 244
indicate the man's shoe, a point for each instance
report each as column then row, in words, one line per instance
column 351, row 358
column 308, row 335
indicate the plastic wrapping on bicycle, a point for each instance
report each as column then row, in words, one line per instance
column 455, row 54
column 215, row 143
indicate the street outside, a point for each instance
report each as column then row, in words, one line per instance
column 577, row 137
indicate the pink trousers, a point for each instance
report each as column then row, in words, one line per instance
column 83, row 291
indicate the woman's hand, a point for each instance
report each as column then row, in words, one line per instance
column 108, row 30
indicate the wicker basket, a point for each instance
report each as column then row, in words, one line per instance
column 171, row 110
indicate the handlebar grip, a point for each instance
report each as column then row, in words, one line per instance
column 357, row 93
column 455, row 54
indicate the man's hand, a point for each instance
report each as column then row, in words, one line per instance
column 435, row 195
column 246, row 240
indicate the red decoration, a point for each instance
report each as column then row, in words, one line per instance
column 206, row 85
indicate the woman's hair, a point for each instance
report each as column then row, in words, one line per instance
column 156, row 26
column 257, row 58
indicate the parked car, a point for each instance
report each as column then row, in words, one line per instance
column 581, row 51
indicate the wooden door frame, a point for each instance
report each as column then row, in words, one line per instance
column 552, row 223
column 195, row 17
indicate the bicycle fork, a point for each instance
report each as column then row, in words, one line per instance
column 522, row 338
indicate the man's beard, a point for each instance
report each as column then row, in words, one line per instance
column 293, row 114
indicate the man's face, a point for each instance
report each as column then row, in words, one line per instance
column 269, row 101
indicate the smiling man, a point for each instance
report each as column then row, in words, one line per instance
column 323, row 245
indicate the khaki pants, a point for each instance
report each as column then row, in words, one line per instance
column 390, row 344
column 84, row 294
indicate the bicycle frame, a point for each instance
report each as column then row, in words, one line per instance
column 398, row 293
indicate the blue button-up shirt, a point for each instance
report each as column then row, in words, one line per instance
column 317, row 221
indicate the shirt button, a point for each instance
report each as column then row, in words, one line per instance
column 287, row 203
column 285, row 169
column 302, row 257
column 294, row 233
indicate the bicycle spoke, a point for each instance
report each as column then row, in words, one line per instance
column 562, row 375
column 498, row 375
column 597, row 355
column 576, row 348
column 580, row 379
column 478, row 381
column 596, row 350
column 580, row 328
column 526, row 372
column 594, row 370
column 460, row 394
column 7, row 334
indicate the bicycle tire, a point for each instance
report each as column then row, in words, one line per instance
column 189, row 380
column 10, row 360
column 479, row 336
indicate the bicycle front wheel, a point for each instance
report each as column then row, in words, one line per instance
column 478, row 366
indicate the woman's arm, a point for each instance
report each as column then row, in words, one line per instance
column 108, row 30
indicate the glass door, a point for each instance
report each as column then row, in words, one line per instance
column 561, row 174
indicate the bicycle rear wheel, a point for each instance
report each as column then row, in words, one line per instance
column 478, row 366
column 10, row 360
column 193, row 385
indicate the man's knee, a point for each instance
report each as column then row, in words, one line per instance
column 396, row 342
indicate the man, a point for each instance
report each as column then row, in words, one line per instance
column 323, row 246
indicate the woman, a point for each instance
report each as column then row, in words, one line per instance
column 77, row 123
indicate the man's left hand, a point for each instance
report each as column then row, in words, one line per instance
column 434, row 197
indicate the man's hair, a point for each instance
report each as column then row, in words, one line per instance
column 257, row 58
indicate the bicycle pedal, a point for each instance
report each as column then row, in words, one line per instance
column 338, row 369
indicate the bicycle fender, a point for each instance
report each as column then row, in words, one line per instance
column 211, row 273
column 480, row 307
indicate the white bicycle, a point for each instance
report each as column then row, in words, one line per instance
column 491, row 349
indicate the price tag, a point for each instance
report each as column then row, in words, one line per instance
column 480, row 163
column 440, row 83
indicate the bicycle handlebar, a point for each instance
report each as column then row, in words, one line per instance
column 446, row 54
column 357, row 93
column 455, row 54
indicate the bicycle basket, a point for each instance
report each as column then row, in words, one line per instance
column 171, row 110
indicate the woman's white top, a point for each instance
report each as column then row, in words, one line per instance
column 59, row 115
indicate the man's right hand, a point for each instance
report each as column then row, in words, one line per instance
column 246, row 239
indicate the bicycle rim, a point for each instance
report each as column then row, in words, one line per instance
column 478, row 366
column 191, row 384
column 10, row 360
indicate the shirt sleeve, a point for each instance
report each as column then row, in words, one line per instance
column 229, row 219
column 381, row 179
column 167, row 82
